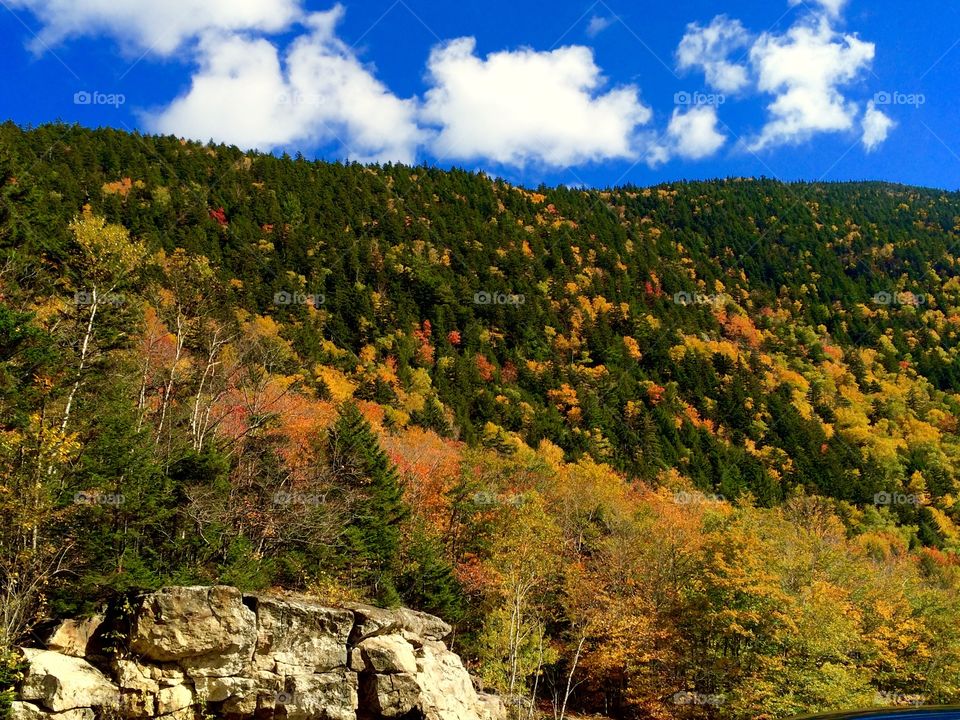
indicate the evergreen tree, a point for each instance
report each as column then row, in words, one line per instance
column 371, row 537
column 426, row 580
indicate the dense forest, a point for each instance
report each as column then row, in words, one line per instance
column 679, row 451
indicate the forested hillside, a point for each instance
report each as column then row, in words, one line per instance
column 680, row 451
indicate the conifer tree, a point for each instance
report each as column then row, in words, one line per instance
column 372, row 534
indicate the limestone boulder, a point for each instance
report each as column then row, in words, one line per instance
column 491, row 707
column 174, row 699
column 299, row 638
column 29, row 711
column 387, row 654
column 193, row 650
column 428, row 627
column 131, row 675
column 207, row 630
column 447, row 691
column 390, row 696
column 61, row 682
column 74, row 637
column 321, row 696
column 220, row 689
column 372, row 621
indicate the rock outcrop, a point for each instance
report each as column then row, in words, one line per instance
column 191, row 652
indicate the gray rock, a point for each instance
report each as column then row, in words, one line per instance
column 387, row 654
column 324, row 696
column 372, row 621
column 219, row 689
column 491, row 707
column 28, row 711
column 252, row 656
column 61, row 682
column 446, row 689
column 174, row 699
column 73, row 637
column 390, row 696
column 208, row 630
column 298, row 638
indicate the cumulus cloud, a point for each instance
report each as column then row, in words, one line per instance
column 597, row 25
column 161, row 26
column 876, row 126
column 521, row 106
column 709, row 48
column 244, row 93
column 512, row 107
column 693, row 134
column 805, row 69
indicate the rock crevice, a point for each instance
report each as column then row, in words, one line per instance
column 195, row 652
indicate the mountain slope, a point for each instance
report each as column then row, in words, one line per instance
column 800, row 338
column 695, row 441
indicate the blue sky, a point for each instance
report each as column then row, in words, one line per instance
column 582, row 92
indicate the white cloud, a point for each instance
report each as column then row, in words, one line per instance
column 694, row 134
column 597, row 25
column 161, row 26
column 243, row 94
column 804, row 68
column 876, row 126
column 511, row 107
column 832, row 7
column 519, row 106
column 709, row 48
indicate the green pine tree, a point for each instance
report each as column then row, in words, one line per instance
column 371, row 535
column 426, row 580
